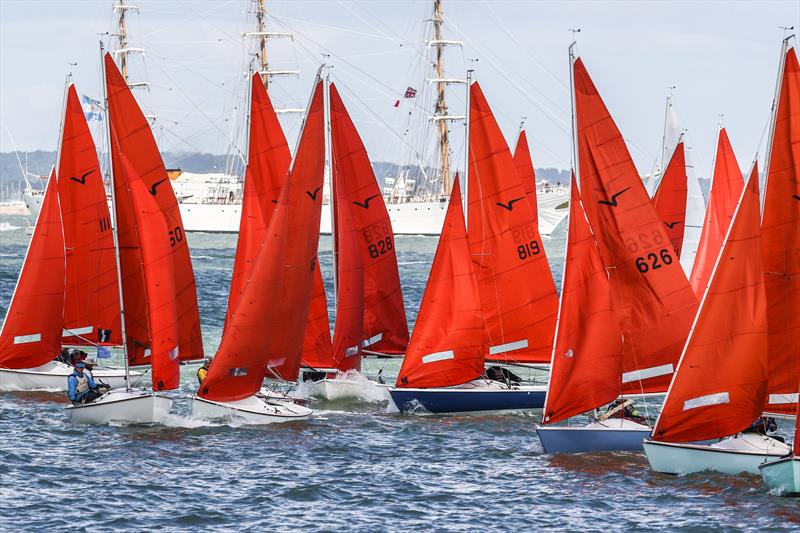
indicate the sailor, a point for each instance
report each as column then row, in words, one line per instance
column 64, row 357
column 202, row 372
column 81, row 387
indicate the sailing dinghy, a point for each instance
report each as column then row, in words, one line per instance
column 780, row 241
column 720, row 387
column 264, row 335
column 89, row 311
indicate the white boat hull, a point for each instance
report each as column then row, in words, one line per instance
column 614, row 434
column 255, row 409
column 53, row 376
column 733, row 455
column 120, row 406
column 782, row 477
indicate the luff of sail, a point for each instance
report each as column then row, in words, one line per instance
column 91, row 300
column 264, row 336
column 721, row 383
column 670, row 198
column 31, row 332
column 518, row 293
column 726, row 187
column 385, row 328
column 586, row 366
column 651, row 295
column 447, row 344
column 130, row 134
column 157, row 247
column 780, row 241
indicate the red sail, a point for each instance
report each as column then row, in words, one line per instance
column 157, row 246
column 780, row 241
column 267, row 164
column 721, row 382
column 670, row 198
column 518, row 294
column 31, row 332
column 587, row 359
column 447, row 344
column 385, row 326
column 317, row 347
column 726, row 187
column 525, row 172
column 264, row 335
column 131, row 135
column 91, row 301
column 651, row 296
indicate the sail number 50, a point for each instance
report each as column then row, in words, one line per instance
column 651, row 261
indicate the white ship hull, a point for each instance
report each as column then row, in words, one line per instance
column 412, row 218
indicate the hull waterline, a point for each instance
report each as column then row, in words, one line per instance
column 256, row 409
column 478, row 400
column 605, row 436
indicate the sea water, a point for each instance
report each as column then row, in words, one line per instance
column 353, row 466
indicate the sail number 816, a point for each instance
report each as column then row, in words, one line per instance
column 651, row 261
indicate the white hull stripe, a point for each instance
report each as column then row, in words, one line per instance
column 707, row 400
column 508, row 347
column 646, row 373
column 438, row 356
column 353, row 350
column 372, row 340
column 25, row 339
column 783, row 398
column 77, row 331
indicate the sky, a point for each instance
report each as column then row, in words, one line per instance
column 718, row 59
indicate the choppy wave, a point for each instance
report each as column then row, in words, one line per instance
column 7, row 226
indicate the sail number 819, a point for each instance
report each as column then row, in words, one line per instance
column 651, row 261
column 528, row 249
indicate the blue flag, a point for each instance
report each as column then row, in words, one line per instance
column 103, row 352
column 91, row 109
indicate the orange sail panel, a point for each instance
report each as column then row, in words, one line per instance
column 317, row 346
column 385, row 327
column 131, row 135
column 267, row 164
column 518, row 294
column 157, row 246
column 670, row 198
column 447, row 344
column 780, row 241
column 31, row 332
column 726, row 187
column 650, row 294
column 721, row 383
column 586, row 367
column 264, row 335
column 91, row 301
column 525, row 172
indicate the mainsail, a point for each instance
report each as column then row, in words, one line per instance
column 31, row 332
column 721, row 383
column 518, row 294
column 525, row 172
column 264, row 335
column 726, row 187
column 130, row 134
column 651, row 296
column 586, row 365
column 670, row 198
column 447, row 344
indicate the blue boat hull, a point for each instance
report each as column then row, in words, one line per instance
column 467, row 400
column 573, row 440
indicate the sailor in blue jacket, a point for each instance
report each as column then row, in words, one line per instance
column 81, row 387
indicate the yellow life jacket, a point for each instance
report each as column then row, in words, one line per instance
column 202, row 372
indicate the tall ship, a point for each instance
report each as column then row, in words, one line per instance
column 416, row 194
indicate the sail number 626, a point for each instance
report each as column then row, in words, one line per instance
column 651, row 261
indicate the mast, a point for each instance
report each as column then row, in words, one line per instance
column 575, row 165
column 326, row 106
column 465, row 199
column 664, row 134
column 114, row 229
column 262, row 42
column 441, row 105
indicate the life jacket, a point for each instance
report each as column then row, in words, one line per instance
column 82, row 383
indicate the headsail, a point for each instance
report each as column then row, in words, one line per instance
column 518, row 294
column 157, row 247
column 385, row 328
column 525, row 172
column 264, row 335
column 670, row 198
column 721, row 383
column 651, row 296
column 130, row 134
column 780, row 241
column 447, row 345
column 31, row 332
column 91, row 301
column 726, row 187
column 586, row 366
